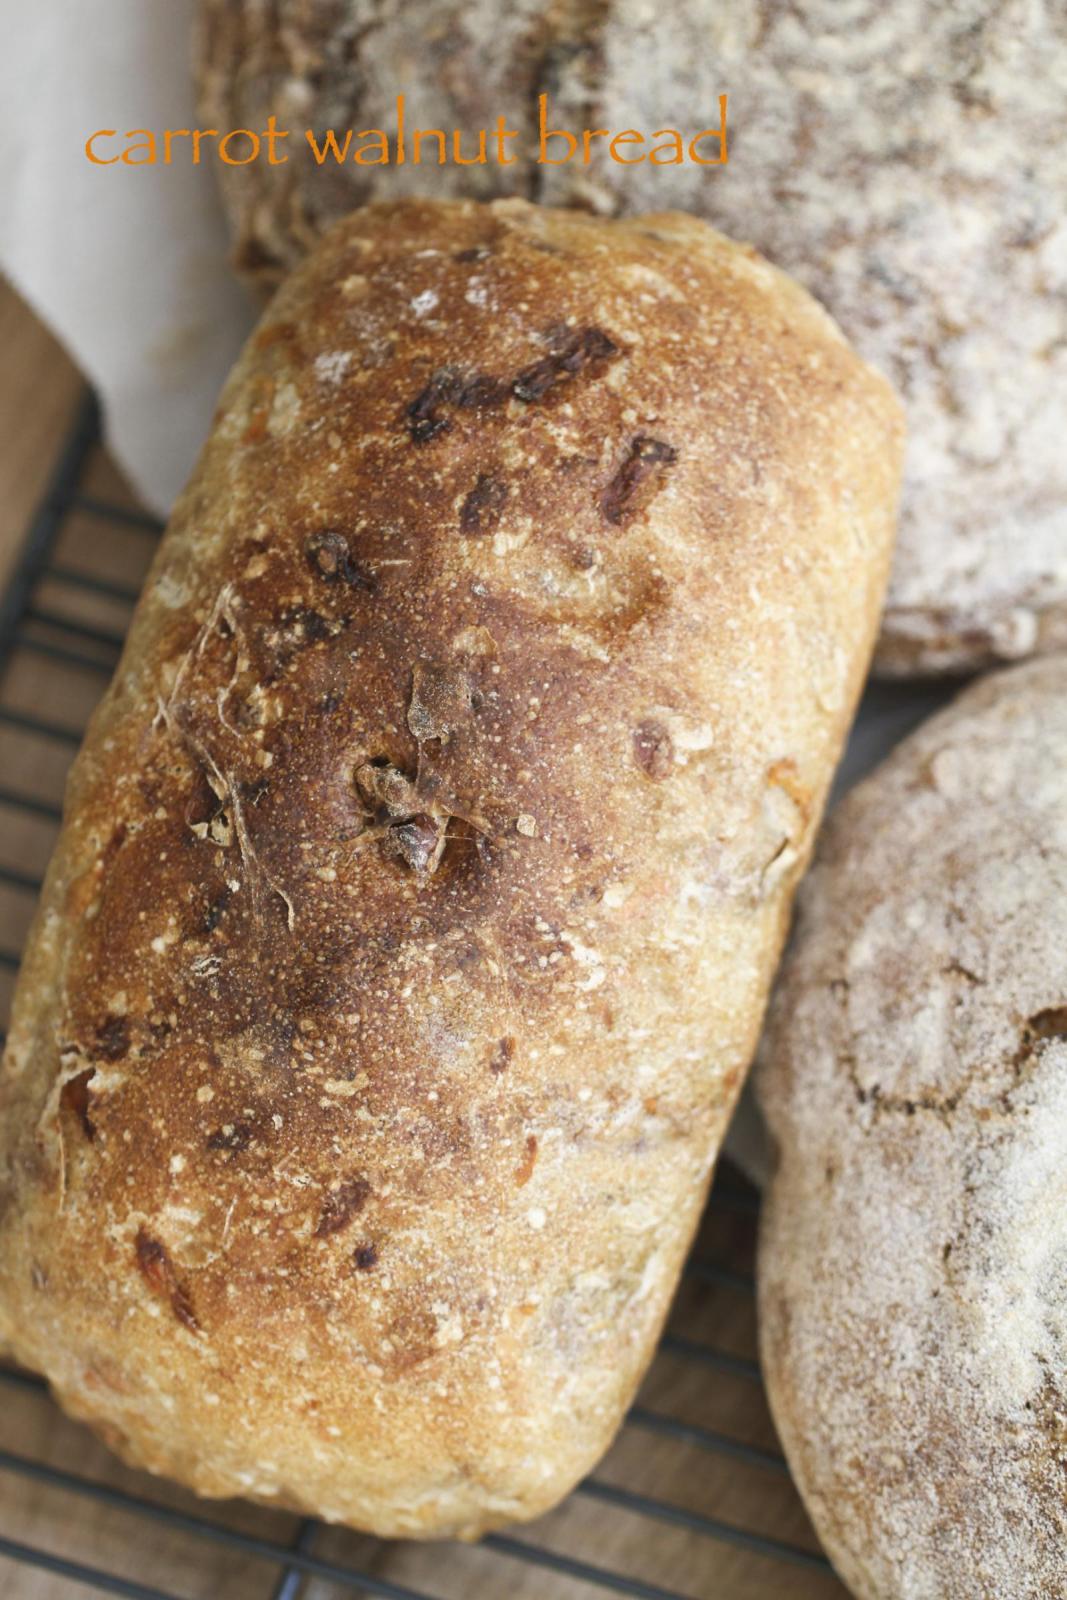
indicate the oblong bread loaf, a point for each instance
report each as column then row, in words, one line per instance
column 427, row 861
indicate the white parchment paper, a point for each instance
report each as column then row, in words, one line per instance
column 126, row 264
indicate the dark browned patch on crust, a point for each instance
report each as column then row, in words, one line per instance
column 481, row 509
column 573, row 351
column 114, row 844
column 157, row 1269
column 213, row 915
column 502, row 1056
column 638, row 478
column 252, row 793
column 341, row 1205
column 231, row 1136
column 586, row 350
column 74, row 1097
column 203, row 804
column 480, row 391
column 1051, row 1023
column 653, row 749
column 328, row 555
column 424, row 423
column 113, row 1038
column 365, row 1257
column 450, row 387
column 303, row 625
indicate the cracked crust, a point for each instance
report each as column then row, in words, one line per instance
column 913, row 1292
column 423, row 873
column 905, row 162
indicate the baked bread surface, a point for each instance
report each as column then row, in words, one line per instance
column 427, row 861
column 905, row 162
column 912, row 1290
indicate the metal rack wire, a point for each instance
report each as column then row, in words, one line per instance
column 62, row 613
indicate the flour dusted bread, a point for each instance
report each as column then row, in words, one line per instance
column 907, row 162
column 427, row 862
column 913, row 1292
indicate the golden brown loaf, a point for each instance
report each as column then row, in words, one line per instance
column 913, row 1298
column 906, row 161
column 427, row 862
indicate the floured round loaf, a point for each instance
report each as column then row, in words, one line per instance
column 426, row 864
column 907, row 162
column 913, row 1252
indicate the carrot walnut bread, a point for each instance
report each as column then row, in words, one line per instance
column 427, row 862
column 913, row 1294
column 906, row 161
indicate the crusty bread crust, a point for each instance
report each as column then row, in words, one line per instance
column 426, row 864
column 913, row 1305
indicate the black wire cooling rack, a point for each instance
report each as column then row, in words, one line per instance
column 692, row 1503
